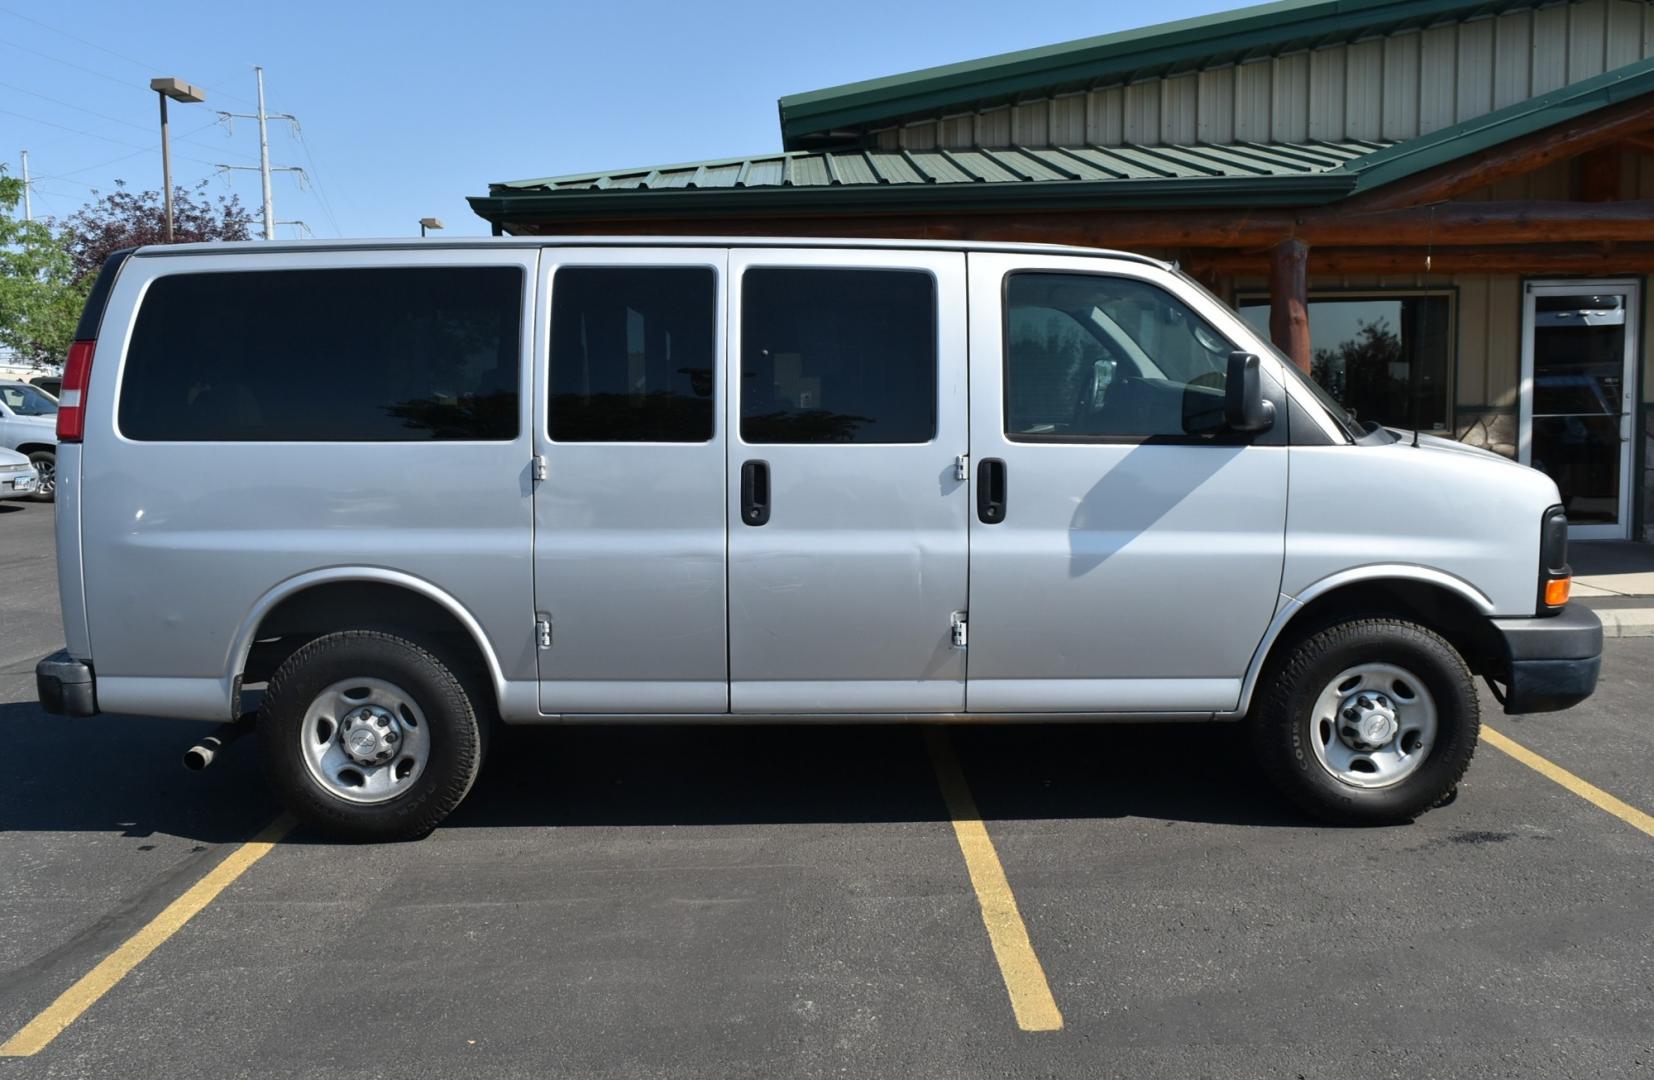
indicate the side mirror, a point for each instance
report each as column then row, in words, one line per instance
column 1244, row 407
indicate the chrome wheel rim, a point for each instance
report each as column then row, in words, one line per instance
column 47, row 471
column 1373, row 725
column 365, row 740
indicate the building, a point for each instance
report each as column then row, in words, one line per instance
column 1443, row 210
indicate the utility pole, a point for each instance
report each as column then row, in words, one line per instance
column 28, row 207
column 264, row 167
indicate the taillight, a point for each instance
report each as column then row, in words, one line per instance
column 71, row 403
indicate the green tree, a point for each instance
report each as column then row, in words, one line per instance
column 40, row 298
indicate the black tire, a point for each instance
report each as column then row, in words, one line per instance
column 1282, row 721
column 45, row 463
column 454, row 720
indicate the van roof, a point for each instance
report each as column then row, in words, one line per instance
column 234, row 247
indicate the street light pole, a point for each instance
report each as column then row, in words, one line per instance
column 177, row 90
column 428, row 223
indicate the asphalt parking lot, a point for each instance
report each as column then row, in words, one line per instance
column 746, row 902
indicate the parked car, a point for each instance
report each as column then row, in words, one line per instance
column 52, row 384
column 778, row 481
column 18, row 479
column 28, row 424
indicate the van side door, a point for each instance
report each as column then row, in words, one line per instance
column 1126, row 550
column 629, row 516
column 847, row 511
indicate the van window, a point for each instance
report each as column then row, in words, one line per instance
column 632, row 352
column 392, row 354
column 838, row 356
column 1088, row 355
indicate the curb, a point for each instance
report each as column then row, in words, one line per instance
column 1626, row 622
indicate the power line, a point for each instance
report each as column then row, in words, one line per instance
column 321, row 191
column 105, row 116
column 151, row 68
column 94, row 135
column 124, row 157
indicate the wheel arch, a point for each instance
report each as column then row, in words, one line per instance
column 33, row 447
column 1441, row 602
column 320, row 598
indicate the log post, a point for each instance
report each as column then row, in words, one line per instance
column 1289, row 300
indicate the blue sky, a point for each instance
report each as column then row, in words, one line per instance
column 408, row 107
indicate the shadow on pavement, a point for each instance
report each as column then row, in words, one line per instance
column 123, row 774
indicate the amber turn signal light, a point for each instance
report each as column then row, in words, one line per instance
column 1556, row 591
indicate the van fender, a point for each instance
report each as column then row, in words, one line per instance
column 1290, row 605
column 242, row 644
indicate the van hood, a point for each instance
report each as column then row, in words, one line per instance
column 1451, row 446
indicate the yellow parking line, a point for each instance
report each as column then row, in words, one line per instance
column 1031, row 1000
column 1587, row 791
column 38, row 1033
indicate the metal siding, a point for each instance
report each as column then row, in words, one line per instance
column 1587, row 40
column 1180, row 109
column 993, row 128
column 1512, row 64
column 916, row 137
column 1363, row 85
column 1400, row 92
column 890, row 138
column 1252, row 92
column 1326, row 94
column 1289, row 119
column 1104, row 115
column 1216, row 105
column 1142, row 113
column 1068, row 120
column 957, row 132
column 1550, row 50
column 1474, row 63
column 1624, row 32
column 1030, row 124
column 1438, row 74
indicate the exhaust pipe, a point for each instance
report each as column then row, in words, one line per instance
column 203, row 753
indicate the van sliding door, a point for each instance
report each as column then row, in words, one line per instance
column 629, row 539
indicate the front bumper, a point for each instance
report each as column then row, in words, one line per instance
column 65, row 685
column 1553, row 660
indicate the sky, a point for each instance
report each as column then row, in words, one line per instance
column 406, row 108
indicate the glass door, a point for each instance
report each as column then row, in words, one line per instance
column 1578, row 398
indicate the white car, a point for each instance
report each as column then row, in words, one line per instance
column 28, row 424
column 18, row 478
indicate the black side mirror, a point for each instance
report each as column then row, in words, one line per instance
column 1244, row 407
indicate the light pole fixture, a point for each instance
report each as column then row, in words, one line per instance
column 429, row 223
column 177, row 90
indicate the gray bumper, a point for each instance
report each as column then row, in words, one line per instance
column 65, row 686
column 1553, row 661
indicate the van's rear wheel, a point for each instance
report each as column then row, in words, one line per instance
column 1367, row 722
column 369, row 736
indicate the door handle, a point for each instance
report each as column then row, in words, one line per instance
column 755, row 492
column 990, row 491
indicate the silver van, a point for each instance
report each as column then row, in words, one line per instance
column 415, row 489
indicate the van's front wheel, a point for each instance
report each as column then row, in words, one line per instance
column 1367, row 722
column 368, row 736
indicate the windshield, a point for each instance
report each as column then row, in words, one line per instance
column 27, row 401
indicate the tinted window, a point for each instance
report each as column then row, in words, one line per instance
column 838, row 356
column 1088, row 355
column 1387, row 359
column 632, row 354
column 370, row 355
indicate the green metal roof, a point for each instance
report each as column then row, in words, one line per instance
column 839, row 113
column 1080, row 177
column 937, row 180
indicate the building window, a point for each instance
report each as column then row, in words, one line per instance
column 1386, row 357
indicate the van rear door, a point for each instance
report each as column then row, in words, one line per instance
column 629, row 538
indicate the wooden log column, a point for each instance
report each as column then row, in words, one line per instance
column 1289, row 300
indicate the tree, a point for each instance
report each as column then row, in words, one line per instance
column 40, row 293
column 125, row 218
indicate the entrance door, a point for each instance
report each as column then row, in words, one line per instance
column 1126, row 551
column 847, row 517
column 629, row 516
column 1579, row 348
